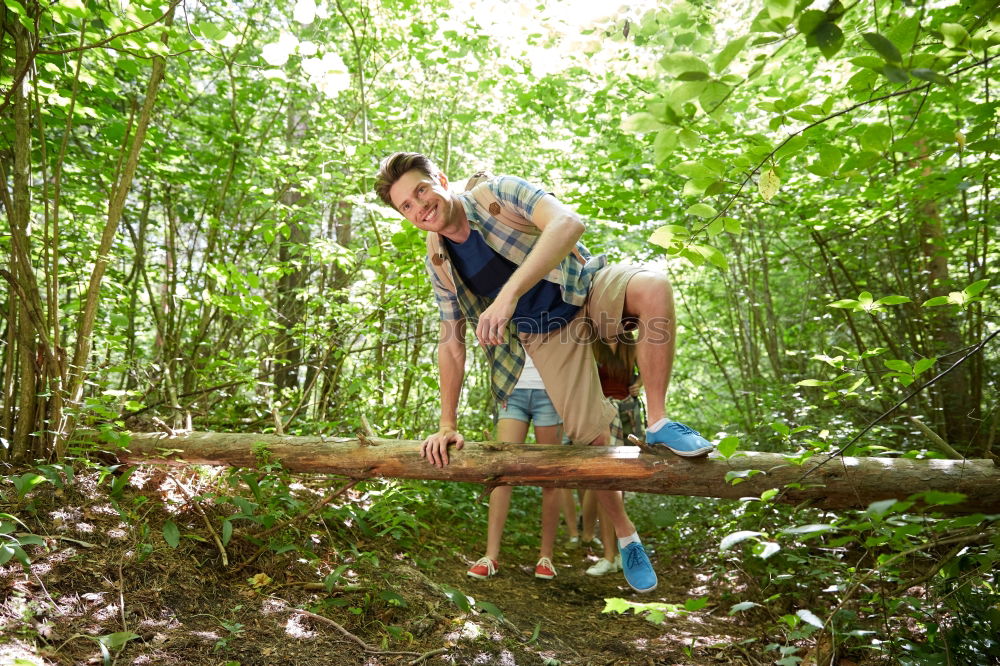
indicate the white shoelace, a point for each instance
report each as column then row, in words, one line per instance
column 488, row 563
column 546, row 562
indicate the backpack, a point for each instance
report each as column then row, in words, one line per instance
column 485, row 201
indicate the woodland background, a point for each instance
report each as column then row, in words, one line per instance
column 190, row 237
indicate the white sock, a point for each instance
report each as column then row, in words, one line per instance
column 631, row 538
column 659, row 424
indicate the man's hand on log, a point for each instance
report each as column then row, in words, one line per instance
column 435, row 447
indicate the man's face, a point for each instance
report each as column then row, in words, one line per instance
column 423, row 200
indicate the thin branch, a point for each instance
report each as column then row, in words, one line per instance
column 364, row 646
column 95, row 45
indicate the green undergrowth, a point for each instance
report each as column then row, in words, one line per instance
column 894, row 581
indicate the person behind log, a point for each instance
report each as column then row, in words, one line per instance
column 529, row 404
column 621, row 384
column 505, row 256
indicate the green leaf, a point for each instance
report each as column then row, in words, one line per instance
column 457, row 597
column 117, row 639
column 665, row 235
column 731, row 50
column 846, row 303
column 742, row 606
column 664, row 144
column 985, row 146
column 26, row 482
column 895, row 74
column 881, row 507
column 615, row 605
column 695, row 604
column 790, row 147
column 227, row 531
column 727, row 447
column 716, row 227
column 828, row 37
column 898, row 366
column 885, row 48
column 735, row 476
column 954, row 34
column 393, row 598
column 701, row 210
column 733, row 226
column 876, row 137
column 692, row 76
column 768, row 184
column 766, row 549
column 171, row 534
column 642, row 122
column 930, row 75
column 677, row 64
column 809, row 20
column 939, row 497
column 937, row 300
column 812, row 382
column 815, row 528
column 693, row 169
column 975, row 288
column 712, row 254
column 688, row 138
column 923, row 365
column 809, row 617
column 731, row 540
column 781, row 428
column 490, row 608
column 893, row 300
column 778, row 9
column 768, row 494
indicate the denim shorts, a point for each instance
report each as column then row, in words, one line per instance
column 530, row 406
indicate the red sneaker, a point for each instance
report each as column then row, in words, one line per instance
column 544, row 569
column 484, row 568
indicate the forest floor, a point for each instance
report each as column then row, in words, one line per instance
column 104, row 579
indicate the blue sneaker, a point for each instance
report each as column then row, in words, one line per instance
column 679, row 438
column 637, row 568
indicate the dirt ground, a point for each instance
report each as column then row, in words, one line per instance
column 154, row 604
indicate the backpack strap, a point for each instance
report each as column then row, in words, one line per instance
column 486, row 201
column 440, row 261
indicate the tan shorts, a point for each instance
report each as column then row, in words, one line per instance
column 565, row 358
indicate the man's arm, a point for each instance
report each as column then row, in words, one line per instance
column 451, row 368
column 561, row 229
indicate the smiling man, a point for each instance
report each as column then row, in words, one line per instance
column 505, row 256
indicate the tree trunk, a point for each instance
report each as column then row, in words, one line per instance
column 841, row 483
column 116, row 206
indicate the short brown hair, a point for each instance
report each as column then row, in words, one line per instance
column 395, row 166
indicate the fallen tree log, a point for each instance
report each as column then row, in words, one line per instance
column 840, row 483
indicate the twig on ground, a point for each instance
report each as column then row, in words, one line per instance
column 428, row 655
column 364, row 646
column 201, row 512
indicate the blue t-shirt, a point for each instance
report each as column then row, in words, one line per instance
column 540, row 310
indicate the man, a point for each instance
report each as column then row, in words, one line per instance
column 505, row 255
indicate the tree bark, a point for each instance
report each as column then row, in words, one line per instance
column 840, row 483
column 116, row 207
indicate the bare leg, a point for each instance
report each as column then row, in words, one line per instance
column 499, row 506
column 588, row 506
column 608, row 537
column 567, row 504
column 650, row 297
column 508, row 430
column 611, row 500
column 550, row 496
